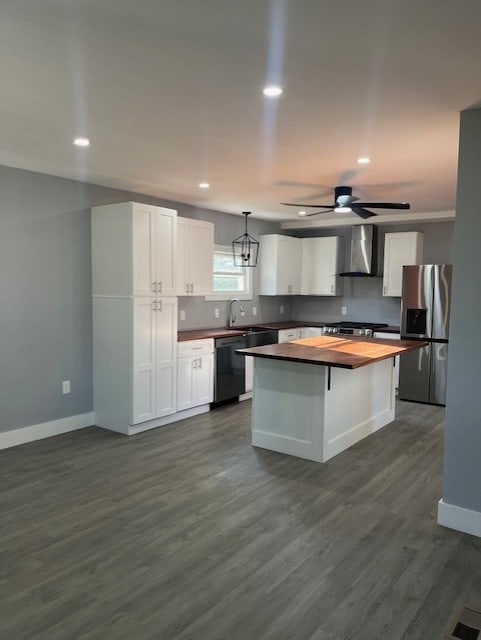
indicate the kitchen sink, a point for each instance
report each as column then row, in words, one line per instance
column 257, row 336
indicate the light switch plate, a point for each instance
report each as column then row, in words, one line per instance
column 343, row 311
column 66, row 387
column 216, row 313
column 254, row 311
column 182, row 314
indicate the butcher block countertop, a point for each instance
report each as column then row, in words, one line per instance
column 221, row 332
column 345, row 353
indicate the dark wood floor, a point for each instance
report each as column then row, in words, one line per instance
column 187, row 532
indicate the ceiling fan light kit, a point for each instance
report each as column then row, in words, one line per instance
column 245, row 248
column 345, row 202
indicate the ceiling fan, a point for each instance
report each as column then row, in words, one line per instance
column 344, row 202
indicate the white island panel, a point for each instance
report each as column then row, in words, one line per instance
column 314, row 411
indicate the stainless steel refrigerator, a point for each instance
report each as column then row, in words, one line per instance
column 425, row 308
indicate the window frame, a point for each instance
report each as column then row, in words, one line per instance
column 228, row 295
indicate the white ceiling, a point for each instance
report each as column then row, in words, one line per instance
column 169, row 92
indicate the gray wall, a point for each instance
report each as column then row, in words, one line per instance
column 363, row 296
column 462, row 458
column 45, row 291
column 45, row 319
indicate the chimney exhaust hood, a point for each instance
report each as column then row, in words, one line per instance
column 363, row 251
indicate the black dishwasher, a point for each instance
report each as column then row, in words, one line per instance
column 229, row 381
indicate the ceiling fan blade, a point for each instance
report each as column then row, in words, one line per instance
column 384, row 205
column 361, row 212
column 317, row 213
column 313, row 206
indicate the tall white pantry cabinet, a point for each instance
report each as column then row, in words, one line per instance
column 134, row 315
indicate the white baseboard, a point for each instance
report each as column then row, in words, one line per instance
column 23, row 435
column 459, row 518
column 344, row 440
column 160, row 422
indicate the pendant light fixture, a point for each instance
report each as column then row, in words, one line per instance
column 245, row 248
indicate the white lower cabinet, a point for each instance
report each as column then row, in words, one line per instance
column 134, row 360
column 310, row 332
column 195, row 373
column 286, row 335
column 391, row 336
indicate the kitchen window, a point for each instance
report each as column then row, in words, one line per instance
column 230, row 281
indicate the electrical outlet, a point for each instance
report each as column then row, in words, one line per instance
column 216, row 313
column 254, row 311
column 343, row 311
column 182, row 314
column 281, row 309
column 242, row 312
column 66, row 387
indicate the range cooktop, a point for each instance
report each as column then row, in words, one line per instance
column 358, row 325
column 351, row 328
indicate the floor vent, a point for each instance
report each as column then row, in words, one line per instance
column 465, row 625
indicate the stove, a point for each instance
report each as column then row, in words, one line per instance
column 349, row 328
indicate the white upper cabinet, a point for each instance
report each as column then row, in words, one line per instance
column 320, row 266
column 133, row 250
column 279, row 265
column 195, row 256
column 400, row 249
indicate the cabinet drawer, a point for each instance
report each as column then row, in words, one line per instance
column 285, row 335
column 195, row 347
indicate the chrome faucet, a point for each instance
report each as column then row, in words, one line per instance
column 231, row 319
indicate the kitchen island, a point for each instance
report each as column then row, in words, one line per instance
column 316, row 397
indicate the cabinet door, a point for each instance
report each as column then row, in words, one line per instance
column 164, row 251
column 283, row 265
column 143, row 405
column 195, row 257
column 391, row 336
column 203, row 380
column 185, row 383
column 143, row 249
column 399, row 249
column 295, row 258
column 320, row 257
column 200, row 257
column 165, row 355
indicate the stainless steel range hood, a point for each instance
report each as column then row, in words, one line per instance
column 363, row 259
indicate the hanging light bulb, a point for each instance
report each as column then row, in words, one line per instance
column 245, row 248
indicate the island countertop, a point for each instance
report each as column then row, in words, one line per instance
column 345, row 353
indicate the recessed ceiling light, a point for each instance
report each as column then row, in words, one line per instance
column 204, row 185
column 302, row 213
column 342, row 209
column 273, row 91
column 363, row 160
column 82, row 142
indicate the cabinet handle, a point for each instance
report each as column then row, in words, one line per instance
column 200, row 363
column 191, row 287
column 332, row 288
column 154, row 308
column 159, row 305
column 154, row 286
column 187, row 287
column 385, row 290
column 159, row 287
